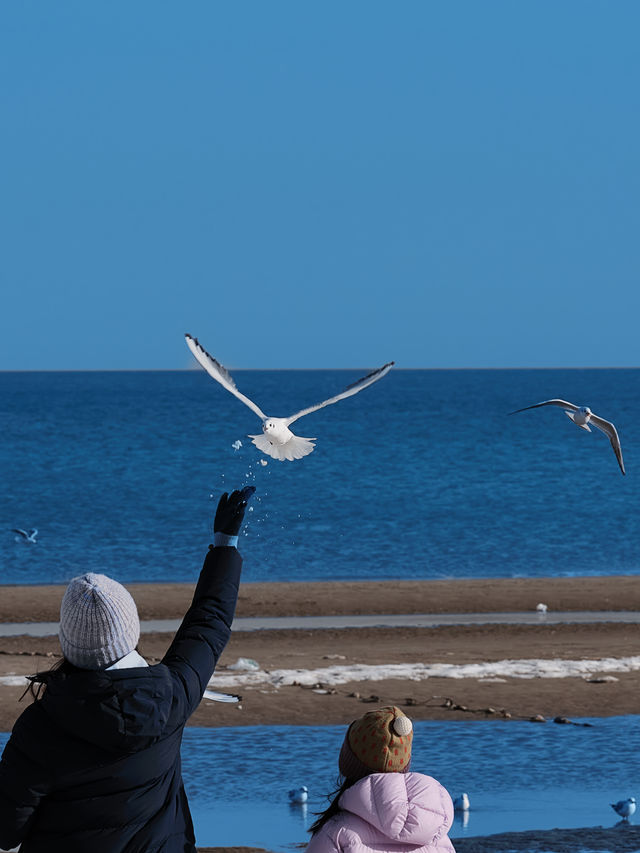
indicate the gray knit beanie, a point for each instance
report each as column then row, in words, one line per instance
column 98, row 622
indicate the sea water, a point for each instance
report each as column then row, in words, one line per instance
column 518, row 775
column 422, row 475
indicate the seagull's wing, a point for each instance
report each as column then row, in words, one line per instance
column 33, row 532
column 562, row 403
column 21, row 532
column 608, row 429
column 364, row 382
column 215, row 369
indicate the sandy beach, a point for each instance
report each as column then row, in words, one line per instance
column 433, row 698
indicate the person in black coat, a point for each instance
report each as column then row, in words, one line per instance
column 93, row 765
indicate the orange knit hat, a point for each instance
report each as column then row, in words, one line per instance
column 379, row 742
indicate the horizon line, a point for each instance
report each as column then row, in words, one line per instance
column 298, row 369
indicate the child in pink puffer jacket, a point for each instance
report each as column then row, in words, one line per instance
column 381, row 806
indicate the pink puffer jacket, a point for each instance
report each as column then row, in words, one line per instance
column 395, row 812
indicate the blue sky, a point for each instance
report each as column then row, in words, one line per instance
column 306, row 184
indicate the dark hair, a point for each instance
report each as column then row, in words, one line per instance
column 60, row 669
column 333, row 808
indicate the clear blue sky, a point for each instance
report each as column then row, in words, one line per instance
column 320, row 184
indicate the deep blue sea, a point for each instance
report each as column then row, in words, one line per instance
column 548, row 776
column 423, row 475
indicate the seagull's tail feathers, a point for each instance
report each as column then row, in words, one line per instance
column 572, row 416
column 295, row 448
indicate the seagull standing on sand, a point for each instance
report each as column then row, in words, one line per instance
column 625, row 808
column 28, row 537
column 299, row 795
column 582, row 416
column 277, row 440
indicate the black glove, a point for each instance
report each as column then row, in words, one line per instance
column 230, row 511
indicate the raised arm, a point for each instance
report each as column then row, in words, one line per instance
column 206, row 627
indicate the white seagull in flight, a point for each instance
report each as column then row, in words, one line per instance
column 29, row 537
column 276, row 439
column 582, row 416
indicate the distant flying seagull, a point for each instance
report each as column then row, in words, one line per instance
column 625, row 808
column 582, row 416
column 277, row 440
column 29, row 537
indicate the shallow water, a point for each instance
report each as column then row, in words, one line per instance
column 518, row 776
column 422, row 475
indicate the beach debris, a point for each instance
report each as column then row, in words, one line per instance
column 582, row 416
column 371, row 698
column 276, row 439
column 23, row 536
column 541, row 608
column 565, row 721
column 214, row 696
column 237, row 444
column 600, row 679
column 244, row 665
column 299, row 795
column 625, row 808
column 461, row 803
column 334, row 657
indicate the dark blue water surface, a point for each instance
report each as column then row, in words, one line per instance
column 423, row 475
column 519, row 776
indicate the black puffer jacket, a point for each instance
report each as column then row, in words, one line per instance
column 94, row 765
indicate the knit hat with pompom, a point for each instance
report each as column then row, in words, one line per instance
column 379, row 742
column 98, row 622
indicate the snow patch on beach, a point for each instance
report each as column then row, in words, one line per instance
column 333, row 675
column 13, row 681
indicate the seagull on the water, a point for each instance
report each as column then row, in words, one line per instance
column 625, row 808
column 299, row 795
column 28, row 537
column 461, row 803
column 277, row 440
column 541, row 608
column 582, row 416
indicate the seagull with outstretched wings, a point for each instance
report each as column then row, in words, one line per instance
column 27, row 536
column 582, row 416
column 276, row 439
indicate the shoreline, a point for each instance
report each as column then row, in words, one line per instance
column 596, row 839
